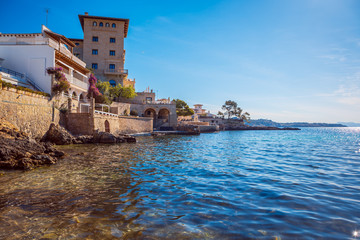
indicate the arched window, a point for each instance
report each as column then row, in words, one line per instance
column 94, row 24
column 113, row 25
column 112, row 83
column 101, row 24
column 107, row 24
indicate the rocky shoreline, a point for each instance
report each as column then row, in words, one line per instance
column 19, row 151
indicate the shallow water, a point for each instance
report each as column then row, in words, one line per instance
column 228, row 185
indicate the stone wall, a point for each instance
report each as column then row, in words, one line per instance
column 79, row 123
column 123, row 124
column 194, row 123
column 31, row 113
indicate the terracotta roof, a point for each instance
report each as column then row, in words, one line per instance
column 59, row 36
column 81, row 18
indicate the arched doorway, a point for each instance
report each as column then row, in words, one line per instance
column 81, row 97
column 151, row 113
column 163, row 116
column 107, row 126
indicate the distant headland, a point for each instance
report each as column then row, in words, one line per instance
column 270, row 123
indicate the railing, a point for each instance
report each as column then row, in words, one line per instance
column 106, row 113
column 22, row 76
column 76, row 81
column 116, row 71
column 65, row 51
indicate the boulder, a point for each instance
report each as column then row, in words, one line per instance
column 58, row 135
column 18, row 151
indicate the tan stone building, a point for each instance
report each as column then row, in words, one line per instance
column 103, row 48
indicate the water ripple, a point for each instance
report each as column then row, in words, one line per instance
column 227, row 185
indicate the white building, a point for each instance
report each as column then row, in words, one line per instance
column 29, row 55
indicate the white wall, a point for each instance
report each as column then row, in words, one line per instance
column 31, row 60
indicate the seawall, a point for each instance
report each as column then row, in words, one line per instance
column 30, row 112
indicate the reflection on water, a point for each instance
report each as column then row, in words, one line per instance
column 228, row 185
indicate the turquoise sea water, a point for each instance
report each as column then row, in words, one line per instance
column 228, row 185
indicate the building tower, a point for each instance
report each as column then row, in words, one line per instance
column 103, row 48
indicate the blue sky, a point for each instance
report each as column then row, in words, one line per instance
column 284, row 60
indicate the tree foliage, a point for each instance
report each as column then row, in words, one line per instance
column 232, row 110
column 182, row 108
column 109, row 93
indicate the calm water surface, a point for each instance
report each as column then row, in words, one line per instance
column 228, row 185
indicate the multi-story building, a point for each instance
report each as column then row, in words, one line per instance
column 27, row 56
column 103, row 48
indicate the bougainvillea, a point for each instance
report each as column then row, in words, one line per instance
column 93, row 91
column 61, row 84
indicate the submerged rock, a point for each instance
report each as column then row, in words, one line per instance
column 18, row 151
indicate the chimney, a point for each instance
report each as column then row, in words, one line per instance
column 86, row 14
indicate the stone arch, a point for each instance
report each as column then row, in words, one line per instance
column 81, row 97
column 164, row 114
column 74, row 95
column 150, row 112
column 107, row 126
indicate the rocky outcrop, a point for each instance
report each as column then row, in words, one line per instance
column 105, row 137
column 58, row 135
column 18, row 151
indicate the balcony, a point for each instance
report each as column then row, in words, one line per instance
column 77, row 82
column 116, row 71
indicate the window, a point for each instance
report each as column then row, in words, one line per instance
column 94, row 24
column 148, row 100
column 101, row 24
column 94, row 66
column 77, row 44
column 112, row 67
column 112, row 83
column 95, row 39
column 94, row 52
column 112, row 52
column 77, row 55
column 112, row 40
column 107, row 25
column 113, row 25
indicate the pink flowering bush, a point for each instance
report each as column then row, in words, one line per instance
column 93, row 90
column 61, row 83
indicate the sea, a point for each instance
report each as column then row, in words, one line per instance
column 225, row 185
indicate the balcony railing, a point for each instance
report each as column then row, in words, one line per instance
column 116, row 71
column 76, row 81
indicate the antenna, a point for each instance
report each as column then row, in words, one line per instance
column 47, row 13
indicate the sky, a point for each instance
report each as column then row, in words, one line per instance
column 282, row 60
